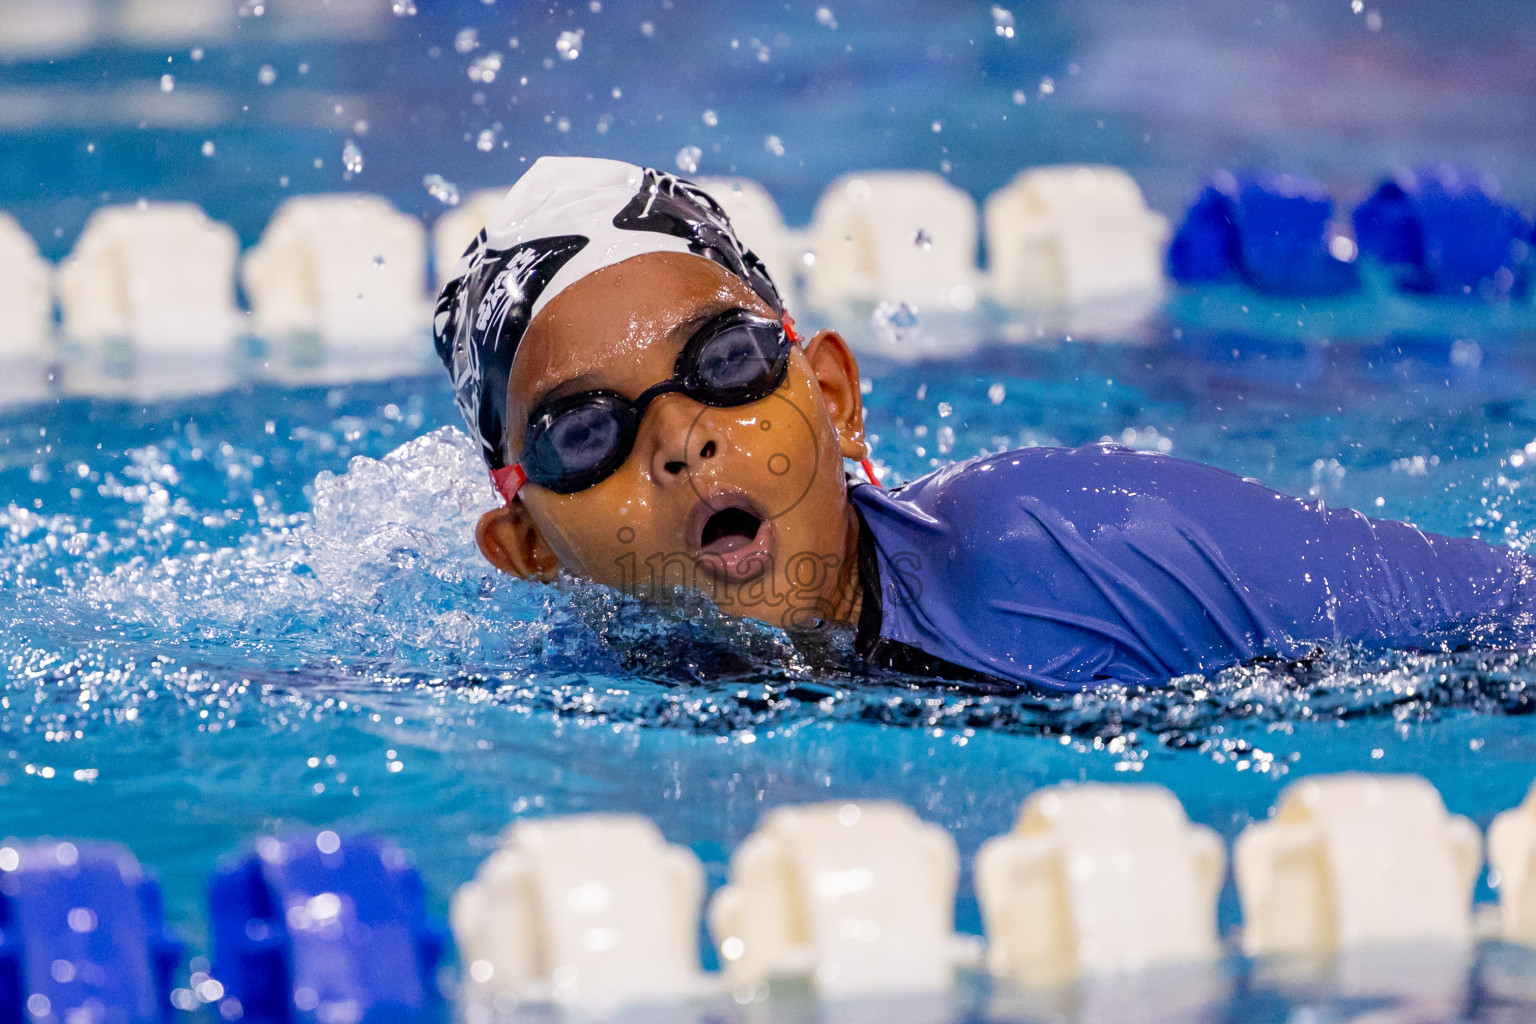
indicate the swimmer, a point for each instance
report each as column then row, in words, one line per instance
column 651, row 417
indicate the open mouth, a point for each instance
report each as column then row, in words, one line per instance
column 728, row 530
column 731, row 538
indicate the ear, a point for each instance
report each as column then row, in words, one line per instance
column 511, row 542
column 837, row 374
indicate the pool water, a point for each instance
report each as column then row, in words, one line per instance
column 261, row 608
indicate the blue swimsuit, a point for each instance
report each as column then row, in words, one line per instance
column 1062, row 569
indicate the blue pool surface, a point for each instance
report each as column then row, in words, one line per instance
column 261, row 610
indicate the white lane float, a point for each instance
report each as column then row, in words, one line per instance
column 457, row 227
column 48, row 28
column 594, row 910
column 1097, row 880
column 348, row 269
column 898, row 236
column 1073, row 235
column 26, row 298
column 158, row 275
column 1351, row 861
column 857, row 897
column 760, row 226
column 175, row 21
column 1512, row 854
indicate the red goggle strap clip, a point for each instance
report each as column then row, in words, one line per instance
column 509, row 480
column 789, row 328
column 869, row 471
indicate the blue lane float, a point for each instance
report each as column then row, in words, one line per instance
column 1446, row 231
column 1266, row 229
column 324, row 929
column 82, row 937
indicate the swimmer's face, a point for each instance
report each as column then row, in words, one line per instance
column 746, row 503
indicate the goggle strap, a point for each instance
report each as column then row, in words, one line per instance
column 509, row 480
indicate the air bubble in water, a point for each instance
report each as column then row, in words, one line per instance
column 351, row 160
column 266, row 75
column 1002, row 22
column 486, row 140
column 403, row 8
column 896, row 323
column 997, row 393
column 774, row 145
column 688, row 159
column 569, row 44
column 441, row 189
column 1047, row 85
column 466, row 41
column 824, row 16
column 167, row 83
column 208, row 148
column 253, row 8
column 922, row 239
column 711, row 118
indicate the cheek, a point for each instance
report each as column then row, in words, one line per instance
column 595, row 532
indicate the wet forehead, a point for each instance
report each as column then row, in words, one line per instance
column 614, row 327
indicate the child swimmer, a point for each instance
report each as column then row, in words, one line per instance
column 651, row 417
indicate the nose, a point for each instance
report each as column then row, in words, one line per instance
column 683, row 437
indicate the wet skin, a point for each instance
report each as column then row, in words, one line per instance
column 747, row 504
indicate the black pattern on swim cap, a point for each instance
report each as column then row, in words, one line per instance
column 674, row 206
column 480, row 319
column 582, row 212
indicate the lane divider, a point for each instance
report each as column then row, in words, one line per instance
column 843, row 900
column 160, row 276
column 348, row 269
column 593, row 910
column 1099, row 879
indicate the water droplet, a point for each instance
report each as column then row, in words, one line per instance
column 403, row 8
column 351, row 160
column 208, row 148
column 569, row 44
column 486, row 141
column 1019, row 97
column 253, row 8
column 617, row 93
column 466, row 41
column 1047, row 85
column 1357, row 5
column 647, row 29
column 824, row 16
column 688, row 159
column 1373, row 21
column 379, row 261
column 1002, row 22
column 896, row 323
column 711, row 118
column 997, row 393
column 937, row 127
column 441, row 189
column 197, row 53
column 484, row 68
column 167, row 83
column 774, row 145
column 266, row 74
column 922, row 239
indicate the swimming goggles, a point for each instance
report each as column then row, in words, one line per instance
column 576, row 441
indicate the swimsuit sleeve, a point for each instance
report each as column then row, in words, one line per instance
column 1064, row 569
